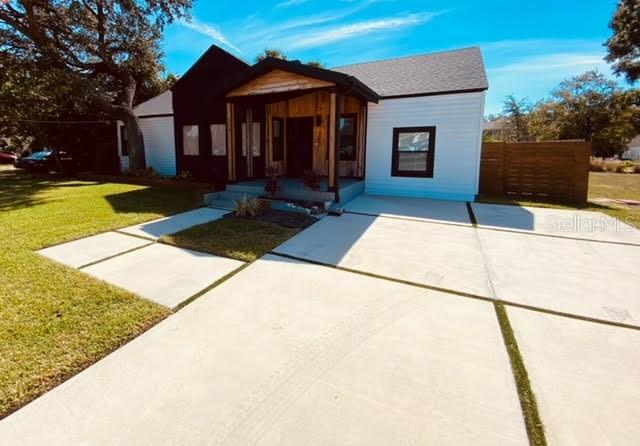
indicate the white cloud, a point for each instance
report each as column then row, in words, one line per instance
column 288, row 3
column 319, row 37
column 210, row 31
column 553, row 62
column 536, row 76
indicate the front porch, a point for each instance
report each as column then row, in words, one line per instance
column 291, row 118
column 290, row 189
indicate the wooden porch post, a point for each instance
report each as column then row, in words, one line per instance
column 249, row 141
column 334, row 145
column 231, row 143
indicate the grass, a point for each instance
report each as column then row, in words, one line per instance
column 601, row 185
column 533, row 423
column 236, row 238
column 614, row 185
column 54, row 320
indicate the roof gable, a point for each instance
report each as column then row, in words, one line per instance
column 330, row 78
column 278, row 81
column 215, row 65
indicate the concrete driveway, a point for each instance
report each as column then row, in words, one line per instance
column 287, row 352
column 379, row 327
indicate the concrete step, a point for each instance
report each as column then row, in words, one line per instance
column 227, row 195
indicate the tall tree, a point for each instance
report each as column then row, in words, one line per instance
column 624, row 45
column 589, row 107
column 111, row 43
column 271, row 52
column 515, row 112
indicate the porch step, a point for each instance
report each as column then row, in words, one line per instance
column 225, row 199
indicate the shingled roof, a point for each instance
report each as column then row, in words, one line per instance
column 437, row 73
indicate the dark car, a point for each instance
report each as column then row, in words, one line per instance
column 7, row 158
column 46, row 161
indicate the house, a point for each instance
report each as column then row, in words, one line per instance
column 410, row 126
column 633, row 150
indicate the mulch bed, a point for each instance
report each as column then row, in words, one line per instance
column 282, row 218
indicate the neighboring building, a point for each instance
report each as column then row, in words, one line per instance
column 493, row 130
column 633, row 150
column 408, row 126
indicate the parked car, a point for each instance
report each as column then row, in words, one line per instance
column 45, row 161
column 7, row 158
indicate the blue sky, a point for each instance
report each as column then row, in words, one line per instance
column 529, row 47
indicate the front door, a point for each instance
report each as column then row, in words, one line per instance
column 299, row 146
column 250, row 135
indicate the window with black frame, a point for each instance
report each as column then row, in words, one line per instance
column 413, row 151
column 277, row 132
column 348, row 137
column 124, row 144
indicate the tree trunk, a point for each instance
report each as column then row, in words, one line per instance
column 124, row 111
column 135, row 140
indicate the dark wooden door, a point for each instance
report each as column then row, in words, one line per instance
column 299, row 146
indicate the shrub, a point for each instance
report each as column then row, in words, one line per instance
column 611, row 165
column 596, row 165
column 248, row 207
column 184, row 175
column 621, row 168
column 636, row 168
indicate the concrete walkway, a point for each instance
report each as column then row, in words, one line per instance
column 175, row 223
column 130, row 259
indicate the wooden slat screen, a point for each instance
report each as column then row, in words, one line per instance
column 558, row 170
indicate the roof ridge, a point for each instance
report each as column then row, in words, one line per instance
column 407, row 57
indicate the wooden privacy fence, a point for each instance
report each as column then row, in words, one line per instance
column 557, row 170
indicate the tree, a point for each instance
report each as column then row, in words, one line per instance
column 315, row 63
column 589, row 107
column 106, row 46
column 271, row 52
column 624, row 46
column 515, row 111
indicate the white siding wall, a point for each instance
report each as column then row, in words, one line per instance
column 458, row 121
column 158, row 135
column 159, row 144
column 158, row 105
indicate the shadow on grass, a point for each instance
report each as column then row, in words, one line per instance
column 162, row 200
column 536, row 202
column 22, row 189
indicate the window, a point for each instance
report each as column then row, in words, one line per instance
column 124, row 144
column 413, row 151
column 218, row 139
column 190, row 142
column 255, row 139
column 348, row 137
column 277, row 130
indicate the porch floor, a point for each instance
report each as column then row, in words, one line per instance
column 290, row 188
column 288, row 183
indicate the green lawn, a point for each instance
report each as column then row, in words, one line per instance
column 237, row 238
column 601, row 185
column 55, row 321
